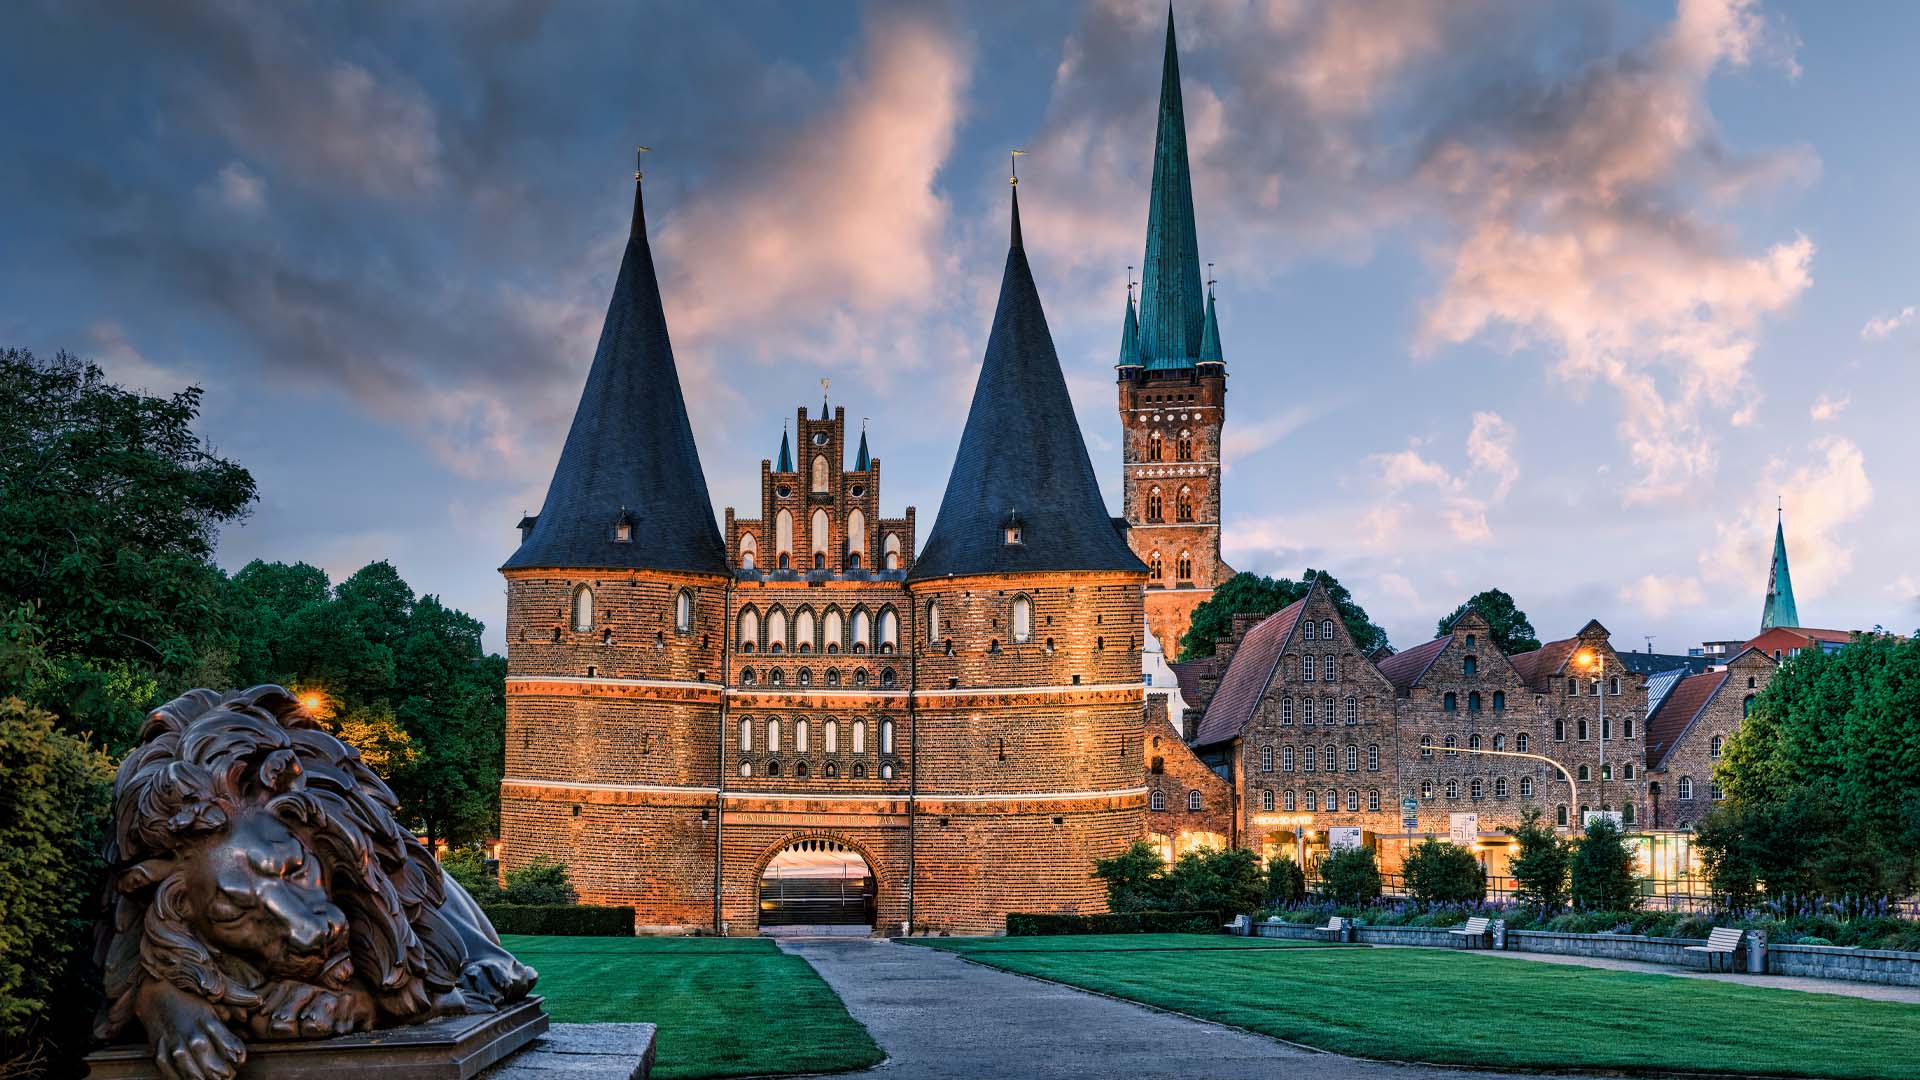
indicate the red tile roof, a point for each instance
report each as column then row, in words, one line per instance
column 1677, row 710
column 1404, row 669
column 1787, row 638
column 1543, row 663
column 1189, row 673
column 1247, row 677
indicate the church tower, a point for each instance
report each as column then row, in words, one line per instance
column 1779, row 610
column 616, row 628
column 1173, row 391
column 1028, row 705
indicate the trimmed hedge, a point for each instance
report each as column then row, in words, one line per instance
column 1035, row 923
column 561, row 920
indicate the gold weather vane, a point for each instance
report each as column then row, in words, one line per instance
column 637, row 151
column 1013, row 166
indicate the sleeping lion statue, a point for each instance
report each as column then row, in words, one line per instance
column 259, row 888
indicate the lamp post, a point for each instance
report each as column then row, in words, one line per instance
column 1573, row 789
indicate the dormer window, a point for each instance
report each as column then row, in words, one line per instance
column 1013, row 534
column 1011, row 528
column 623, row 527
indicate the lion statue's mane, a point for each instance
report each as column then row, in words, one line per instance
column 415, row 940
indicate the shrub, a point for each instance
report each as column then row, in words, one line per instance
column 54, row 797
column 1227, row 880
column 541, row 882
column 1438, row 872
column 1133, row 877
column 1602, row 877
column 468, row 867
column 1031, row 924
column 561, row 920
column 1350, row 876
column 1540, row 868
column 1286, row 882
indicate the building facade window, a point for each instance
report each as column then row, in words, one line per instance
column 1684, row 789
column 1476, row 788
column 1286, row 709
column 1332, row 759
column 886, row 736
column 1022, row 620
column 1193, row 799
column 1499, row 787
column 1183, row 506
column 1715, row 792
column 1289, row 801
column 1266, row 799
column 746, row 735
column 1426, row 789
column 1470, row 666
column 582, row 608
column 1184, row 566
column 1449, row 702
column 830, row 736
column 1266, row 759
column 1286, row 759
column 1158, row 801
column 1353, row 710
column 859, row 737
column 1520, row 742
column 1373, row 757
column 1453, row 789
column 1526, row 787
column 1426, row 746
column 1353, row 759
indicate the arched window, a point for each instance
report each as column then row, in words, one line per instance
column 1333, row 800
column 1470, row 666
column 803, row 631
column 859, row 770
column 1266, row 799
column 746, row 677
column 800, row 769
column 856, row 536
column 746, row 768
column 889, row 630
column 1158, row 800
column 1332, row 758
column 860, row 679
column 1426, row 789
column 1330, row 668
column 833, row 633
column 1685, row 788
column 783, row 538
column 833, row 676
column 1311, row 631
column 818, row 533
column 1451, row 745
column 1286, row 709
column 1426, row 746
column 1353, row 800
column 803, row 677
column 1022, row 620
column 1184, row 566
column 802, row 737
column 747, row 634
column 1476, row 788
column 1288, row 800
column 1373, row 800
column 1286, row 759
column 1715, row 791
column 1266, row 759
column 773, row 768
column 1526, row 787
column 1453, row 789
column 1353, row 759
column 819, row 472
column 582, row 608
column 1326, row 629
column 749, row 548
column 890, row 551
column 683, row 611
column 888, row 678
column 1473, row 701
column 1156, row 508
column 1584, row 773
column 1449, row 701
column 1185, row 446
column 1499, row 701
column 859, row 736
column 1373, row 757
column 1308, row 668
column 1573, row 687
column 776, row 677
column 1156, row 446
column 1312, row 800
column 1628, row 814
column 1613, row 684
column 1520, row 742
column 1560, row 814
column 1193, row 799
column 1746, row 707
column 1559, row 730
column 1309, row 759
column 1713, row 748
column 746, row 734
column 1327, row 711
column 830, row 736
column 862, row 630
column 1183, row 504
column 1155, row 568
column 933, row 621
column 1353, row 711
column 1473, row 742
column 886, row 736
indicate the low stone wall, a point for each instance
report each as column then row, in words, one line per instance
column 1650, row 950
column 1835, row 962
column 1432, row 936
column 1291, row 931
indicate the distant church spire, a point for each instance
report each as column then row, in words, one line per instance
column 1172, row 315
column 1129, row 331
column 785, row 464
column 862, row 462
column 1780, row 609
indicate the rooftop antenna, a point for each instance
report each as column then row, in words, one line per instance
column 637, row 151
column 1649, row 642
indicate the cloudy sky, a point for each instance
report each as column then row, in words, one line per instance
column 1554, row 297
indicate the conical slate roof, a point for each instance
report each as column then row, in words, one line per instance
column 785, row 462
column 630, row 448
column 861, row 461
column 1022, row 461
column 1780, row 610
column 1210, row 340
column 1129, row 337
column 1170, row 304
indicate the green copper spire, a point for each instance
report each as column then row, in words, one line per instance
column 1170, row 306
column 786, row 456
column 1129, row 337
column 861, row 463
column 1780, row 609
column 1210, row 341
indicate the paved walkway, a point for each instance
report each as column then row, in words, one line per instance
column 941, row 1018
column 1870, row 991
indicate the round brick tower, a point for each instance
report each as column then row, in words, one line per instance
column 616, row 635
column 1028, row 701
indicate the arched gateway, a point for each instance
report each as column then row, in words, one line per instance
column 817, row 882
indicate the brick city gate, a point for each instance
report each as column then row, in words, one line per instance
column 817, row 882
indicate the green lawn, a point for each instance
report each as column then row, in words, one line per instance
column 1459, row 1008
column 725, row 1006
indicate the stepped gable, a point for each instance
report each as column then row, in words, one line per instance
column 630, row 452
column 1022, row 463
column 1248, row 675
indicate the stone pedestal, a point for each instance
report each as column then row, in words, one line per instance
column 450, row 1048
column 582, row 1052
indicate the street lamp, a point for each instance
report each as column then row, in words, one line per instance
column 1592, row 658
column 1572, row 788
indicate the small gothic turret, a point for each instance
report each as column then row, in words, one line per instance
column 1129, row 336
column 1210, row 339
column 785, row 462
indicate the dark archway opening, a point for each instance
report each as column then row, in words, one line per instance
column 817, row 882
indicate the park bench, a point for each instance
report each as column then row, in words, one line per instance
column 1477, row 929
column 1723, row 941
column 1335, row 930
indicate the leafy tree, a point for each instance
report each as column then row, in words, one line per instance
column 1350, row 876
column 1540, row 868
column 1227, row 880
column 1509, row 627
column 110, row 504
column 1133, row 878
column 541, row 881
column 1251, row 594
column 1601, row 875
column 1286, row 882
column 1438, row 872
